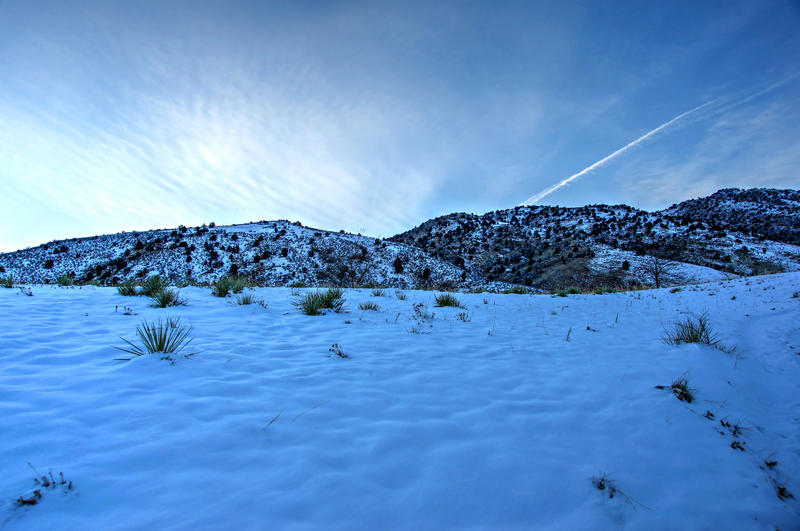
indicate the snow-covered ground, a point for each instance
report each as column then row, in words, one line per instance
column 506, row 416
column 608, row 258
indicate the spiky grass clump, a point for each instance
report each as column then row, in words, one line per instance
column 314, row 302
column 694, row 329
column 238, row 284
column 127, row 288
column 369, row 305
column 447, row 299
column 378, row 292
column 245, row 299
column 7, row 282
column 517, row 290
column 166, row 298
column 401, row 295
column 227, row 284
column 563, row 292
column 165, row 337
column 602, row 290
column 222, row 287
column 153, row 285
column 65, row 280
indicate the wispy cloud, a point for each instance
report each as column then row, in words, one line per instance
column 370, row 117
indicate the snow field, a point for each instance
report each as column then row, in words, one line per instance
column 500, row 418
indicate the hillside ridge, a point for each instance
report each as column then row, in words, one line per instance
column 730, row 232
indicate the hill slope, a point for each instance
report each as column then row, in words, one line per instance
column 733, row 231
column 269, row 253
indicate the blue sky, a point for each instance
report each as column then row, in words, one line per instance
column 373, row 116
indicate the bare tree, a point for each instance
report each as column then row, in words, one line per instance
column 657, row 269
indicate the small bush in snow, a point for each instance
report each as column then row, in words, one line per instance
column 517, row 290
column 153, row 285
column 222, row 287
column 378, row 292
column 127, row 288
column 369, row 305
column 401, row 295
column 694, row 329
column 447, row 299
column 314, row 302
column 245, row 299
column 602, row 290
column 681, row 389
column 165, row 337
column 65, row 280
column 238, row 284
column 7, row 282
column 166, row 298
column 563, row 292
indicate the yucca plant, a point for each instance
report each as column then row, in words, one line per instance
column 369, row 305
column 401, row 295
column 601, row 290
column 378, row 292
column 245, row 299
column 166, row 298
column 7, row 282
column 238, row 284
column 563, row 292
column 517, row 290
column 333, row 299
column 314, row 302
column 221, row 287
column 447, row 299
column 127, row 288
column 153, row 285
column 167, row 337
column 65, row 280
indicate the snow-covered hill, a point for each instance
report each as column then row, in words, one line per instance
column 515, row 411
column 732, row 232
column 269, row 253
column 555, row 246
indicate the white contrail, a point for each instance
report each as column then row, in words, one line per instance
column 601, row 162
